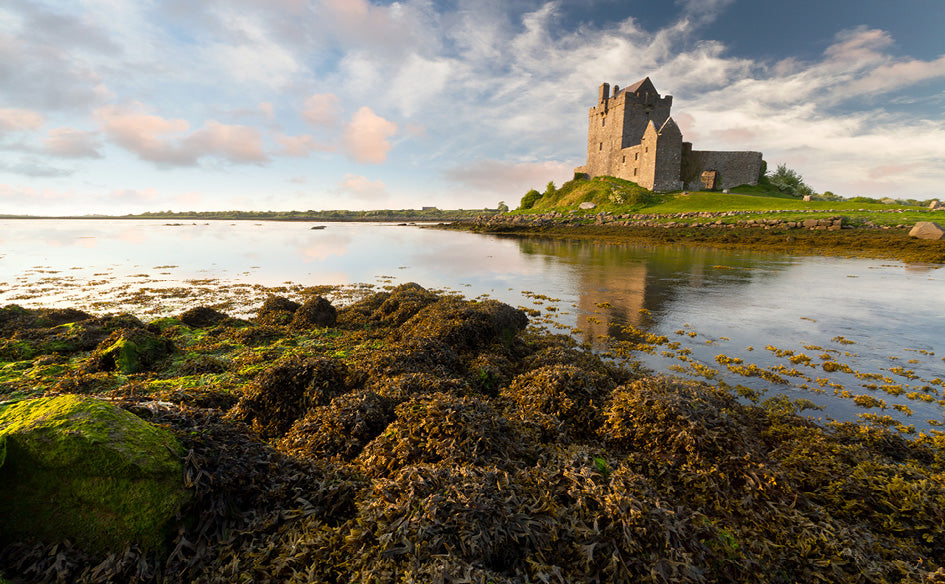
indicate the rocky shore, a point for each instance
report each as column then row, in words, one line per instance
column 828, row 233
column 418, row 437
column 704, row 219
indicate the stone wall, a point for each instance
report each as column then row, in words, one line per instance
column 733, row 168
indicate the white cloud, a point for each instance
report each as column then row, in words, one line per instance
column 366, row 137
column 322, row 109
column 72, row 143
column 300, row 146
column 147, row 135
column 12, row 119
column 363, row 189
column 418, row 81
column 164, row 141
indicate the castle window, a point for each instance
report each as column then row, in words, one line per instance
column 603, row 121
column 601, row 147
column 624, row 158
column 634, row 172
column 636, row 156
column 646, row 149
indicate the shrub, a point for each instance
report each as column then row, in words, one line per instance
column 529, row 200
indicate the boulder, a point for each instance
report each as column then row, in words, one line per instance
column 927, row 230
column 933, row 204
column 78, row 468
column 315, row 312
column 586, row 205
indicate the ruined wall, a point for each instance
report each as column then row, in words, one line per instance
column 734, row 168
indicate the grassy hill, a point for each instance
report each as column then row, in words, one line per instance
column 616, row 195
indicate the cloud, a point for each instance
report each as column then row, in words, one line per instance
column 508, row 178
column 35, row 168
column 249, row 54
column 164, row 141
column 239, row 144
column 71, row 143
column 363, row 189
column 359, row 23
column 891, row 77
column 366, row 137
column 45, row 57
column 300, row 146
column 19, row 119
column 418, row 81
column 147, row 135
column 322, row 109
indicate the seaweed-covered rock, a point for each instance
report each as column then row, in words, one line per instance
column 695, row 436
column 315, row 312
column 443, row 523
column 444, row 428
column 397, row 358
column 388, row 309
column 677, row 421
column 202, row 316
column 404, row 386
column 61, row 331
column 342, row 428
column 277, row 311
column 13, row 317
column 282, row 394
column 129, row 351
column 463, row 325
column 559, row 399
column 83, row 469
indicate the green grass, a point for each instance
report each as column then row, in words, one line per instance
column 618, row 196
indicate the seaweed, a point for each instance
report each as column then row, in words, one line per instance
column 425, row 437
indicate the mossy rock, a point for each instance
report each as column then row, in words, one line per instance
column 78, row 468
column 130, row 351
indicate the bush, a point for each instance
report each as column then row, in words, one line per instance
column 789, row 182
column 529, row 200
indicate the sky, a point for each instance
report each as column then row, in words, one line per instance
column 126, row 106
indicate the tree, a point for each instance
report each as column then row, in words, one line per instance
column 529, row 200
column 550, row 189
column 789, row 182
column 503, row 208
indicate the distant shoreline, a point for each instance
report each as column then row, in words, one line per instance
column 382, row 216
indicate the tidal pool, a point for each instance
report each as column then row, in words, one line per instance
column 843, row 333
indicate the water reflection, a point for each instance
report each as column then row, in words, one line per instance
column 710, row 303
column 622, row 284
column 824, row 329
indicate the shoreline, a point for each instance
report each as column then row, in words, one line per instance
column 829, row 236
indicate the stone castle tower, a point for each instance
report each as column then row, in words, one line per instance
column 632, row 136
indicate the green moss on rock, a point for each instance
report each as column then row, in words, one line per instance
column 78, row 468
column 130, row 351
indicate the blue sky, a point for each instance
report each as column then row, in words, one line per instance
column 115, row 106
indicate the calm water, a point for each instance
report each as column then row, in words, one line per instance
column 875, row 316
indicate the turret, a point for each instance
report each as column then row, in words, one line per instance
column 604, row 93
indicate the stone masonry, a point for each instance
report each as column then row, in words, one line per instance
column 632, row 136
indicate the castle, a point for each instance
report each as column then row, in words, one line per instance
column 632, row 136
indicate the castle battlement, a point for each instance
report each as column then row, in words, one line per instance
column 631, row 135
